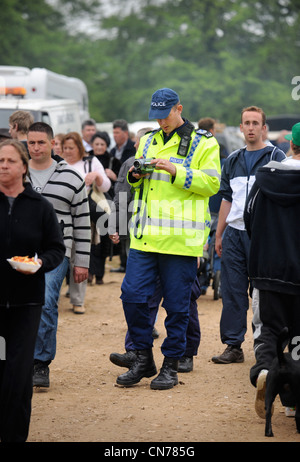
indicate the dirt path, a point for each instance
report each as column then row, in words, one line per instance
column 214, row 403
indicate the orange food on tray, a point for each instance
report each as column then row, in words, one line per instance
column 25, row 260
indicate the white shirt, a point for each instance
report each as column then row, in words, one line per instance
column 87, row 146
column 82, row 166
column 292, row 162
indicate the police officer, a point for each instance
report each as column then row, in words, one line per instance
column 167, row 234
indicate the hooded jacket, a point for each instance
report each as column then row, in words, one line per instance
column 29, row 227
column 272, row 221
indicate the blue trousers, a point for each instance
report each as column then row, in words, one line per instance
column 235, row 285
column 177, row 275
column 193, row 333
column 45, row 346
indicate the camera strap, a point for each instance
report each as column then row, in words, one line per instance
column 140, row 221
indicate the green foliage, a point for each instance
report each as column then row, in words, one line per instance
column 220, row 55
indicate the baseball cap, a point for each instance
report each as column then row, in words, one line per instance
column 162, row 102
column 295, row 135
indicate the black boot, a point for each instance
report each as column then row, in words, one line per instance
column 167, row 377
column 41, row 374
column 185, row 364
column 123, row 360
column 143, row 366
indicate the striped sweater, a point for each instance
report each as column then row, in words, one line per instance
column 67, row 192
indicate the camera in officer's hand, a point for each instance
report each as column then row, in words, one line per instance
column 143, row 166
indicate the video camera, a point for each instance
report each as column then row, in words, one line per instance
column 143, row 166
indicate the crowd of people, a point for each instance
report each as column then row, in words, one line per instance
column 64, row 184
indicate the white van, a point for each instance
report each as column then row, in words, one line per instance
column 40, row 83
column 61, row 114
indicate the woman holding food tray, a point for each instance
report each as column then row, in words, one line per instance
column 28, row 228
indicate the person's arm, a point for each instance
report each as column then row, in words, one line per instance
column 98, row 176
column 52, row 241
column 81, row 233
column 223, row 214
column 122, row 190
column 80, row 274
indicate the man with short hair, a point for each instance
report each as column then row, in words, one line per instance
column 65, row 189
column 168, row 229
column 207, row 123
column 124, row 145
column 19, row 122
column 88, row 130
column 232, row 241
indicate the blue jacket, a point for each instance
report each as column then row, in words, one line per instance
column 236, row 182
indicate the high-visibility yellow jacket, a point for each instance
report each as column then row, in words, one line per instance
column 170, row 213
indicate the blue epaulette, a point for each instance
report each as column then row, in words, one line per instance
column 205, row 133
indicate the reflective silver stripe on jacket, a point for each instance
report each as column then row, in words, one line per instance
column 160, row 176
column 169, row 223
column 212, row 172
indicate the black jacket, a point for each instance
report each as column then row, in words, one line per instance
column 121, row 213
column 129, row 150
column 272, row 221
column 31, row 227
column 108, row 161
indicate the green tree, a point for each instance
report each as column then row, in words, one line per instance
column 220, row 55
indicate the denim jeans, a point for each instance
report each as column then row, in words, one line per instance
column 45, row 346
column 235, row 286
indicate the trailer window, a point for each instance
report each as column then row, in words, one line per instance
column 46, row 118
column 6, row 113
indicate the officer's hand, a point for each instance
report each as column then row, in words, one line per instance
column 138, row 176
column 164, row 164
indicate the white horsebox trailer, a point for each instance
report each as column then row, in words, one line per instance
column 56, row 99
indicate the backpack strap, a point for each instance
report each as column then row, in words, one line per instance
column 88, row 160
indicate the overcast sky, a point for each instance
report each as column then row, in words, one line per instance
column 85, row 23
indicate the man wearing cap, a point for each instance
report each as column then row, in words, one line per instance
column 294, row 139
column 272, row 222
column 168, row 229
